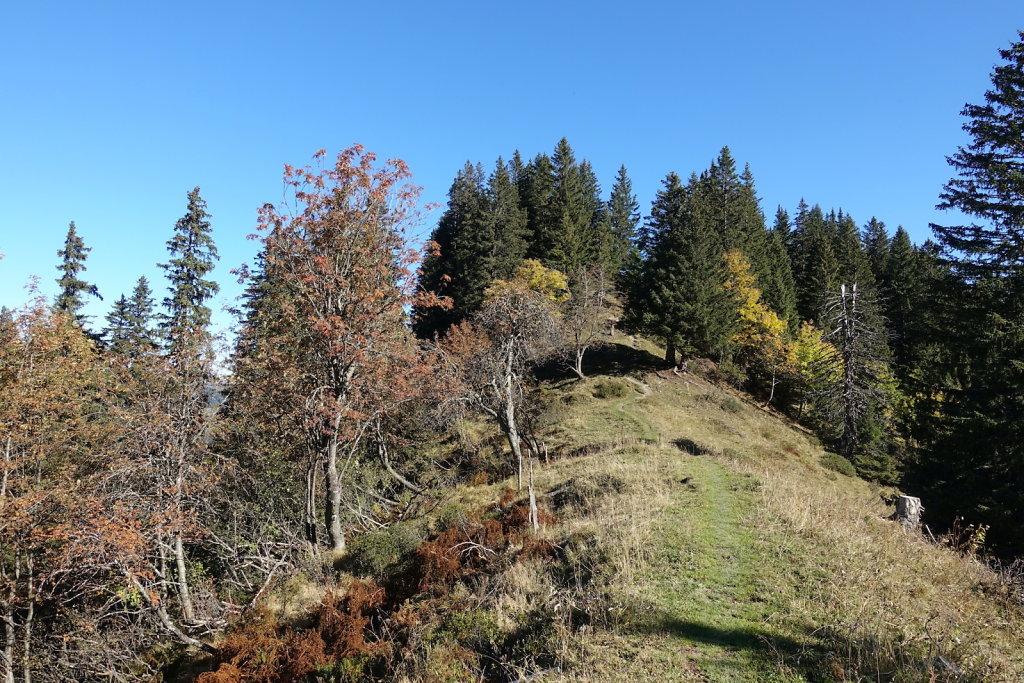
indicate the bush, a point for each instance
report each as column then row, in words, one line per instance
column 837, row 463
column 731, row 404
column 372, row 553
column 611, row 388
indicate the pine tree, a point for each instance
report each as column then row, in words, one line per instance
column 903, row 293
column 876, row 246
column 568, row 240
column 978, row 460
column 129, row 324
column 854, row 266
column 682, row 297
column 70, row 298
column 507, row 223
column 457, row 269
column 193, row 254
column 733, row 211
column 779, row 290
column 815, row 266
column 623, row 219
column 537, row 192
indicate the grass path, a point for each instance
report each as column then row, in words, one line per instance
column 709, row 608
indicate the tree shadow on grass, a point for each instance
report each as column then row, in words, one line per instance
column 612, row 358
column 755, row 646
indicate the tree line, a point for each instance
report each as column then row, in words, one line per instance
column 136, row 507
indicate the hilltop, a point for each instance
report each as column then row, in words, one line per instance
column 689, row 534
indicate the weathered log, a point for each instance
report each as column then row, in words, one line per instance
column 908, row 511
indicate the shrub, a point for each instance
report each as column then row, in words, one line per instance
column 372, row 553
column 731, row 404
column 837, row 463
column 611, row 388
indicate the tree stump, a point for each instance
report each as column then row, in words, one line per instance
column 908, row 511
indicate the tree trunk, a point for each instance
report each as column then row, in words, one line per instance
column 7, row 653
column 335, row 535
column 382, row 450
column 511, row 428
column 309, row 521
column 26, row 628
column 578, row 368
column 670, row 353
column 534, row 516
column 188, row 610
column 908, row 511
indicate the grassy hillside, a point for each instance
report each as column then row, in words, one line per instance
column 690, row 535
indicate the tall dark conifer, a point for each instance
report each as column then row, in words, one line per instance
column 506, row 223
column 854, row 266
column 193, row 255
column 73, row 289
column 681, row 297
column 778, row 288
column 815, row 265
column 976, row 463
column 537, row 191
column 876, row 247
column 457, row 269
column 568, row 240
column 129, row 330
column 623, row 220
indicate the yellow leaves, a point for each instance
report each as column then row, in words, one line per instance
column 550, row 284
column 816, row 361
column 763, row 333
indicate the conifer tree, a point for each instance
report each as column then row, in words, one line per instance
column 623, row 219
column 507, row 223
column 459, row 268
column 568, row 240
column 903, row 293
column 876, row 246
column 815, row 266
column 193, row 254
column 70, row 298
column 129, row 332
column 682, row 297
column 977, row 462
column 854, row 266
column 733, row 212
column 537, row 192
column 779, row 290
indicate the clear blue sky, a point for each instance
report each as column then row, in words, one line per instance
column 111, row 112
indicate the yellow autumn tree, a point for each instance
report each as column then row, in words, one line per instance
column 550, row 284
column 762, row 341
column 816, row 364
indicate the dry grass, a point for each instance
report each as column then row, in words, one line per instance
column 701, row 540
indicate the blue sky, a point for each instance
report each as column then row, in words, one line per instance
column 111, row 112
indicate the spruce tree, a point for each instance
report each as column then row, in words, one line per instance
column 507, row 224
column 623, row 220
column 815, row 265
column 537, row 192
column 876, row 247
column 193, row 254
column 978, row 461
column 129, row 324
column 682, row 297
column 568, row 239
column 779, row 290
column 903, row 293
column 457, row 269
column 70, row 298
column 854, row 266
